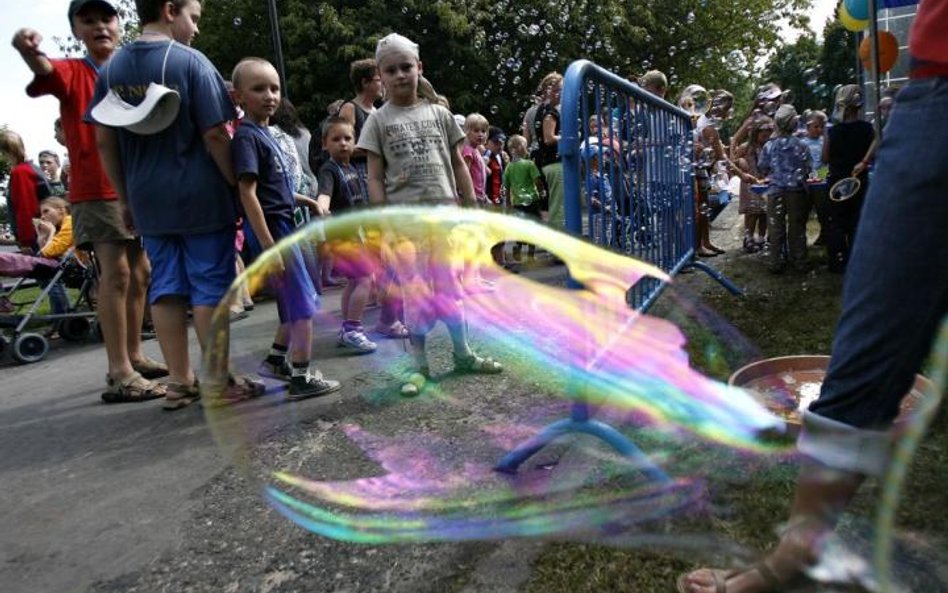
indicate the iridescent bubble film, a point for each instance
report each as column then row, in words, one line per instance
column 368, row 465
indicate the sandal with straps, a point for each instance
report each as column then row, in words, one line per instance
column 475, row 364
column 239, row 388
column 131, row 389
column 415, row 382
column 180, row 396
column 150, row 369
column 798, row 584
column 396, row 331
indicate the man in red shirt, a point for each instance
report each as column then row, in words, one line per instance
column 98, row 218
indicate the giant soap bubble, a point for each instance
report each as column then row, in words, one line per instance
column 367, row 465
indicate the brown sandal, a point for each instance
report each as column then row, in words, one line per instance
column 150, row 369
column 180, row 396
column 239, row 388
column 132, row 389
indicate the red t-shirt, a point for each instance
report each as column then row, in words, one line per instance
column 72, row 81
column 24, row 203
column 928, row 40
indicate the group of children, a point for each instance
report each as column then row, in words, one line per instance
column 167, row 175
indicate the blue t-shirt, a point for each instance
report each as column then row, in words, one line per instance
column 173, row 185
column 256, row 154
column 786, row 160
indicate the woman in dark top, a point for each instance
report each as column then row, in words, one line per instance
column 848, row 149
column 547, row 132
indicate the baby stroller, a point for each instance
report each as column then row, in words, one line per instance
column 16, row 318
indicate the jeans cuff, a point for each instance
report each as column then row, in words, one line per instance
column 844, row 447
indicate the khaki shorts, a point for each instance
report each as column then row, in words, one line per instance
column 98, row 221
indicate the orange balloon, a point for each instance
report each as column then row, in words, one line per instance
column 888, row 51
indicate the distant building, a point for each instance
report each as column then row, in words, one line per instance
column 897, row 21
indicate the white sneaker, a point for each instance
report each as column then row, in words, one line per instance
column 357, row 340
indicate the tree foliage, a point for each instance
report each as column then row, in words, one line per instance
column 488, row 55
column 795, row 67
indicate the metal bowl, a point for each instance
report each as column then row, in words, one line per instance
column 787, row 384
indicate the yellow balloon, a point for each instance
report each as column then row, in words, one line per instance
column 849, row 23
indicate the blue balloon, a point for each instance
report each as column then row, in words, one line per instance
column 858, row 9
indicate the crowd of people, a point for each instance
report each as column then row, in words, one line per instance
column 180, row 249
column 221, row 135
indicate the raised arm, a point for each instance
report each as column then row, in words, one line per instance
column 27, row 42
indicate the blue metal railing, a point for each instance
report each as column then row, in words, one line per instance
column 628, row 186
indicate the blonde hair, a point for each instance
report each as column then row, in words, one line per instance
column 242, row 65
column 56, row 202
column 12, row 144
column 517, row 145
column 475, row 121
column 548, row 82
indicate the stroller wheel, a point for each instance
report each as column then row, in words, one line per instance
column 4, row 346
column 75, row 329
column 29, row 348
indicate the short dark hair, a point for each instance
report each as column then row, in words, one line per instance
column 149, row 11
column 361, row 70
column 49, row 153
column 333, row 121
column 287, row 119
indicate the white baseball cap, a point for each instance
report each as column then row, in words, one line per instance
column 157, row 111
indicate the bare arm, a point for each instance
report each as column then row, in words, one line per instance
column 107, row 143
column 864, row 163
column 27, row 42
column 319, row 206
column 376, row 180
column 217, row 142
column 740, row 136
column 247, row 187
column 549, row 130
column 347, row 112
column 462, row 177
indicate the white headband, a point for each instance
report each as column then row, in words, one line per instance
column 394, row 43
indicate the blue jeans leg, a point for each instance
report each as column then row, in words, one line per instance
column 896, row 286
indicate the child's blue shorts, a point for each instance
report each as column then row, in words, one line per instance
column 295, row 293
column 199, row 267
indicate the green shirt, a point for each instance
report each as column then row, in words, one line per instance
column 520, row 178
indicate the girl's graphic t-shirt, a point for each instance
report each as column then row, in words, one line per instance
column 415, row 144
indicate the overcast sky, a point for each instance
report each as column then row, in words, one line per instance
column 33, row 118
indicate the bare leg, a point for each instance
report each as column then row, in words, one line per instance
column 301, row 339
column 822, row 494
column 355, row 296
column 140, row 278
column 170, row 316
column 114, row 280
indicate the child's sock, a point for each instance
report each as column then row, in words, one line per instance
column 277, row 353
column 299, row 372
column 352, row 325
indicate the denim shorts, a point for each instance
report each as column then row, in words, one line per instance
column 294, row 289
column 198, row 267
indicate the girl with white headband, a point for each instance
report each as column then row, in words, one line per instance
column 414, row 157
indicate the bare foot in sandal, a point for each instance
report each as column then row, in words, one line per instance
column 180, row 396
column 131, row 389
column 473, row 363
column 396, row 331
column 783, row 570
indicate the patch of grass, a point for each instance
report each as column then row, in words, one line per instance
column 779, row 315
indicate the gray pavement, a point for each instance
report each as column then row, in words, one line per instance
column 127, row 497
column 111, row 498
